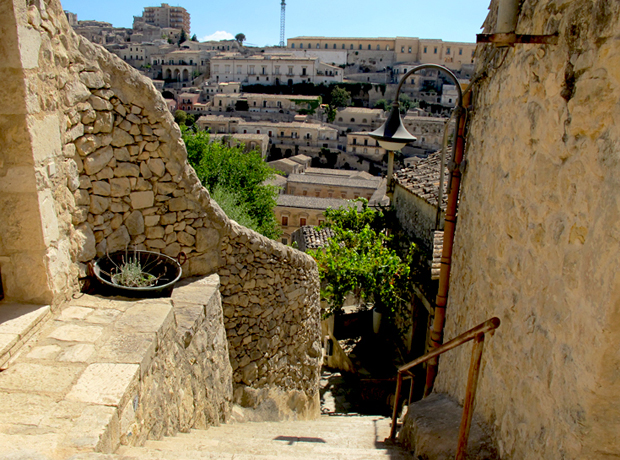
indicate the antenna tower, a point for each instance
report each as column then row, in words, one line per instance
column 282, row 22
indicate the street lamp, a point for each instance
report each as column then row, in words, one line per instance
column 393, row 135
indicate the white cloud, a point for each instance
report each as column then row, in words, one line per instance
column 219, row 35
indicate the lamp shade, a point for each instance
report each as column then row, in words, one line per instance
column 393, row 135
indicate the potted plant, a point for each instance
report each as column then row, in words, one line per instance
column 137, row 273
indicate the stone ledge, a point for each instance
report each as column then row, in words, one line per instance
column 110, row 371
column 17, row 324
column 431, row 428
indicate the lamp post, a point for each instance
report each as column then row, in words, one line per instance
column 394, row 136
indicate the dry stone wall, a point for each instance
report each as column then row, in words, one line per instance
column 537, row 238
column 271, row 311
column 114, row 174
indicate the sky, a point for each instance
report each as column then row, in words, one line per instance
column 259, row 20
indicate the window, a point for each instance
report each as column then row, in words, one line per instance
column 364, row 121
column 334, row 46
column 402, row 49
column 339, row 118
column 318, row 45
column 304, row 70
column 343, row 194
column 352, row 120
column 276, row 70
column 365, row 142
column 284, row 240
column 290, row 70
column 317, row 194
column 281, row 133
column 293, row 45
column 387, row 48
column 326, row 45
column 410, row 50
column 264, row 70
column 435, row 50
column 301, row 46
column 448, row 50
column 238, row 70
column 378, row 47
column 309, row 46
column 360, row 47
column 302, row 221
column 343, row 46
column 305, row 193
column 284, row 221
column 351, row 45
column 321, row 221
column 227, row 69
column 460, row 51
column 354, row 140
column 251, row 70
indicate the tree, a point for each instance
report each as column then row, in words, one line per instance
column 240, row 38
column 331, row 113
column 238, row 177
column 383, row 105
column 183, row 37
column 340, row 97
column 194, row 38
column 180, row 117
column 405, row 103
column 361, row 257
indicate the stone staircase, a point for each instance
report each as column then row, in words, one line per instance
column 330, row 437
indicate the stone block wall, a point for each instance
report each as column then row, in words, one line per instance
column 112, row 173
column 416, row 215
column 537, row 237
column 272, row 318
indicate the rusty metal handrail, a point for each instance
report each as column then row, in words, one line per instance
column 476, row 334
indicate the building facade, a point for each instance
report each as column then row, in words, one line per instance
column 175, row 17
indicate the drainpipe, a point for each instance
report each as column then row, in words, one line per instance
column 439, row 320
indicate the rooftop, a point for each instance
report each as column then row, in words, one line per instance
column 330, row 179
column 422, row 179
column 352, row 174
column 313, row 238
column 310, row 202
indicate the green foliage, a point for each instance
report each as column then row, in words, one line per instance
column 405, row 103
column 238, row 175
column 240, row 38
column 311, row 106
column 383, row 105
column 182, row 37
column 340, row 97
column 194, row 38
column 234, row 207
column 362, row 258
column 331, row 113
column 190, row 120
column 180, row 117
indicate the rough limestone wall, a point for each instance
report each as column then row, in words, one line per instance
column 416, row 215
column 538, row 237
column 125, row 181
column 272, row 318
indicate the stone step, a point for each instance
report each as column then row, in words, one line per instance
column 351, row 438
column 18, row 323
column 431, row 428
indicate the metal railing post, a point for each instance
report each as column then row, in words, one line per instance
column 399, row 383
column 470, row 396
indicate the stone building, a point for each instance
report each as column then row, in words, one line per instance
column 287, row 136
column 359, row 119
column 416, row 194
column 273, row 69
column 293, row 212
column 265, row 103
column 174, row 17
column 377, row 53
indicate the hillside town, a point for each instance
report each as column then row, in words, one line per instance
column 359, row 247
column 243, row 93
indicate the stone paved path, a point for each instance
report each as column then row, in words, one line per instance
column 329, row 438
